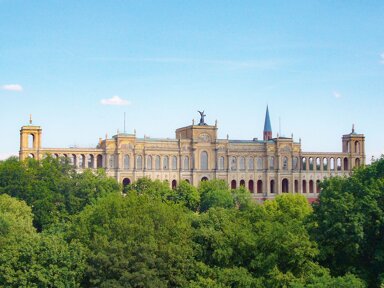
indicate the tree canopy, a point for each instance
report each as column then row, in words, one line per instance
column 61, row 228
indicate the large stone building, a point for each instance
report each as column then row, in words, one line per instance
column 266, row 167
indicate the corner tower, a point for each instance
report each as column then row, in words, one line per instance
column 267, row 133
column 354, row 145
column 30, row 141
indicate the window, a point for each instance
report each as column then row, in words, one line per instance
column 271, row 162
column 111, row 161
column 126, row 162
column 295, row 160
column 139, row 162
column 304, row 163
column 157, row 163
column 250, row 164
column 310, row 163
column 259, row 163
column 174, row 163
column 149, row 162
column 233, row 163
column 242, row 163
column 165, row 163
column 221, row 163
column 186, row 163
column 325, row 164
column 204, row 160
column 285, row 163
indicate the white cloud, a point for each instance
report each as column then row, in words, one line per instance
column 382, row 58
column 115, row 100
column 12, row 87
column 337, row 95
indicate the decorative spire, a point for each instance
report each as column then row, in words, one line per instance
column 267, row 127
column 353, row 128
column 30, row 119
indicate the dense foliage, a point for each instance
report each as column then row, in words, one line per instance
column 60, row 228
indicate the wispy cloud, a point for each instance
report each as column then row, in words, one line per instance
column 12, row 87
column 382, row 58
column 236, row 64
column 337, row 95
column 115, row 100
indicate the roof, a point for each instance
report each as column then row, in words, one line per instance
column 267, row 122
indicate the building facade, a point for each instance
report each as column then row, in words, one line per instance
column 265, row 167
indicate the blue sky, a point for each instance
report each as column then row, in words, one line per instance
column 319, row 65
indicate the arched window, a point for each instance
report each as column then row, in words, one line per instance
column 338, row 162
column 157, row 162
column 318, row 164
column 126, row 162
column 82, row 161
column 304, row 188
column 99, row 161
column 284, row 185
column 242, row 183
column 91, row 160
column 332, row 164
column 357, row 147
column 73, row 160
column 259, row 163
column 174, row 184
column 310, row 160
column 357, row 162
column 126, row 182
column 346, row 167
column 259, row 186
column 31, row 155
column 139, row 162
column 317, row 186
column 242, row 163
column 250, row 186
column 174, row 163
column 233, row 184
column 204, row 160
column 304, row 163
column 186, row 163
column 295, row 160
column 149, row 162
column 311, row 190
column 271, row 163
column 221, row 163
column 285, row 163
column 250, row 163
column 111, row 161
column 31, row 141
column 296, row 186
column 165, row 163
column 325, row 164
column 272, row 188
column 233, row 163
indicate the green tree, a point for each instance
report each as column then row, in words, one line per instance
column 29, row 259
column 348, row 224
column 187, row 194
column 135, row 241
column 53, row 188
column 215, row 193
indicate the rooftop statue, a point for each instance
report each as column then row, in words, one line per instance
column 202, row 115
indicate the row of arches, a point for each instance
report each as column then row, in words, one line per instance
column 307, row 187
column 328, row 164
column 236, row 163
column 83, row 160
